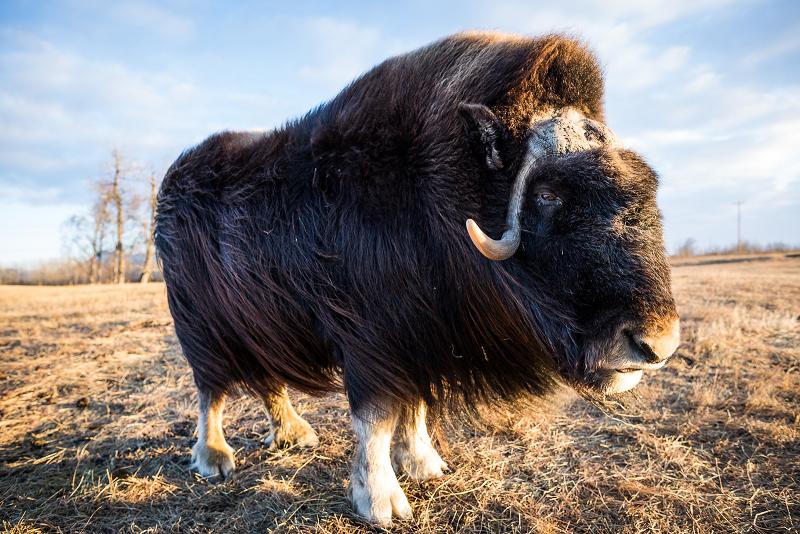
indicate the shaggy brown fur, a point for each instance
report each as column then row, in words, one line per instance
column 335, row 245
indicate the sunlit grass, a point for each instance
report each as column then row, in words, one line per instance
column 97, row 416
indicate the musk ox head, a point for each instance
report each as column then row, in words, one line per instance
column 582, row 220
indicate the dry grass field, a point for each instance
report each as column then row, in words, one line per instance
column 97, row 419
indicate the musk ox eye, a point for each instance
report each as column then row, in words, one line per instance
column 547, row 198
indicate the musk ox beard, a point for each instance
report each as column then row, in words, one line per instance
column 333, row 251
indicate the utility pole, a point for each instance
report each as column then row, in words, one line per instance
column 738, row 226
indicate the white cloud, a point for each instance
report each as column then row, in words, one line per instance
column 740, row 131
column 60, row 110
column 153, row 18
column 785, row 44
column 343, row 50
column 616, row 29
column 656, row 139
column 702, row 79
column 634, row 67
column 594, row 14
column 55, row 94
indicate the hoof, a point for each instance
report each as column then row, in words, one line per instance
column 210, row 462
column 296, row 434
column 426, row 464
column 381, row 504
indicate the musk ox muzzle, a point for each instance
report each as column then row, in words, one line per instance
column 636, row 353
column 562, row 132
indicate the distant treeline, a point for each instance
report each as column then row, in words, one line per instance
column 689, row 248
column 70, row 272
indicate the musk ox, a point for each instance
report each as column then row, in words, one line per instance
column 333, row 252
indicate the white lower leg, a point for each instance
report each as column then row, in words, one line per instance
column 413, row 452
column 288, row 428
column 211, row 455
column 374, row 491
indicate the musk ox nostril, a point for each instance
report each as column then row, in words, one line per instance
column 660, row 345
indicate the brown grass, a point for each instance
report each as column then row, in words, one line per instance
column 97, row 416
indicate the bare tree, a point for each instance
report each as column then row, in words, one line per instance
column 149, row 232
column 85, row 235
column 688, row 248
column 116, row 200
column 101, row 216
column 123, row 215
column 78, row 242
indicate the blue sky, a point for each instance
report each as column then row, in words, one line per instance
column 708, row 91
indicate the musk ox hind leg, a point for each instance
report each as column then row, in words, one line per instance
column 413, row 453
column 288, row 428
column 373, row 490
column 211, row 455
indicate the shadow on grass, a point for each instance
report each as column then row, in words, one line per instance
column 74, row 482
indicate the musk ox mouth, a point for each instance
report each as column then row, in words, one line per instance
column 631, row 356
column 610, row 382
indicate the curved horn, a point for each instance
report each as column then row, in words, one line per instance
column 493, row 249
column 506, row 246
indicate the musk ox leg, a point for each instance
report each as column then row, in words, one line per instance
column 413, row 452
column 374, row 491
column 211, row 455
column 288, row 428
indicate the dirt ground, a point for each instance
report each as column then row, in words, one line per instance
column 97, row 419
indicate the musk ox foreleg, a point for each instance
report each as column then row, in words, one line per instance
column 288, row 428
column 211, row 455
column 413, row 452
column 374, row 491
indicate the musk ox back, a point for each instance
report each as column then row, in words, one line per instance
column 332, row 251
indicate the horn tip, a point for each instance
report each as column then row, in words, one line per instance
column 486, row 245
column 475, row 233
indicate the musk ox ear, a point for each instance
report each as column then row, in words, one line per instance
column 486, row 131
